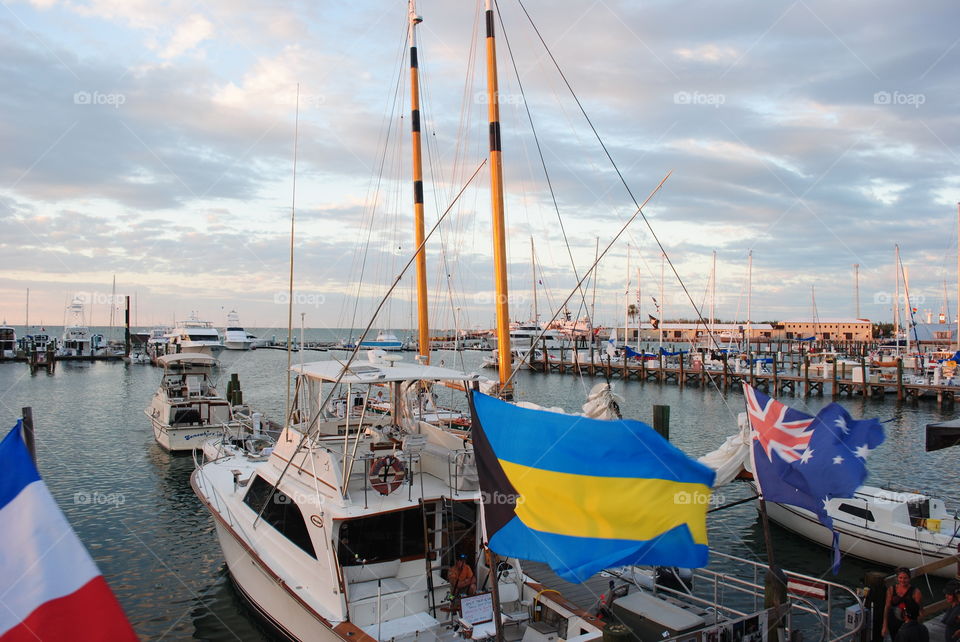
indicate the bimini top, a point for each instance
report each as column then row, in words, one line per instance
column 378, row 371
column 186, row 360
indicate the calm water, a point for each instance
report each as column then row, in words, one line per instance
column 132, row 504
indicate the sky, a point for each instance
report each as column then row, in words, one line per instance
column 154, row 144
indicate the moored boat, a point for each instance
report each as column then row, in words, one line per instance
column 187, row 408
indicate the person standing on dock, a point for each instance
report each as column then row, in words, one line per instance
column 898, row 596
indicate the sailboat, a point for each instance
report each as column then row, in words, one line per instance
column 341, row 531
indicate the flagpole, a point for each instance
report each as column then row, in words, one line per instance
column 773, row 572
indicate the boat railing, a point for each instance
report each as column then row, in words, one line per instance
column 734, row 597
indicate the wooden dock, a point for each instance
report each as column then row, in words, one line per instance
column 794, row 379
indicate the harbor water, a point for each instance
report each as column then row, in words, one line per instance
column 132, row 505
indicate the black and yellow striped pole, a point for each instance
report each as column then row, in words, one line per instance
column 496, row 198
column 423, row 320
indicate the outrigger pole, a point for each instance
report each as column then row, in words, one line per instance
column 423, row 321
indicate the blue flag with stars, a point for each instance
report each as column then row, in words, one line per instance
column 806, row 461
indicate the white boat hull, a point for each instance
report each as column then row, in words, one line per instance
column 212, row 349
column 864, row 543
column 237, row 345
column 267, row 594
column 183, row 439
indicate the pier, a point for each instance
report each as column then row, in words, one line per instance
column 787, row 375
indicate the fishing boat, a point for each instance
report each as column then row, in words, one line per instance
column 194, row 335
column 8, row 341
column 76, row 340
column 187, row 408
column 234, row 336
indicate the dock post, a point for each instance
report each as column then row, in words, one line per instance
column 726, row 373
column 863, row 374
column 681, row 369
column 126, row 332
column 835, row 391
column 899, row 378
column 661, row 421
column 806, row 376
column 776, row 379
column 29, row 436
column 660, row 371
column 874, row 581
column 750, row 367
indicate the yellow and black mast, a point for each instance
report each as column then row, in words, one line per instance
column 423, row 321
column 496, row 199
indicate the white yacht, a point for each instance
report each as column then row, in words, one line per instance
column 234, row 336
column 348, row 507
column 187, row 409
column 194, row 335
column 519, row 359
column 76, row 339
column 8, row 341
column 384, row 341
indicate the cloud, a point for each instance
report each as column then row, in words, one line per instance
column 190, row 33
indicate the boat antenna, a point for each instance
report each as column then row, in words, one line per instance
column 293, row 218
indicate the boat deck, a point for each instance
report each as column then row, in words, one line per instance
column 586, row 595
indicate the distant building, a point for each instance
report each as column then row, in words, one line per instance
column 822, row 330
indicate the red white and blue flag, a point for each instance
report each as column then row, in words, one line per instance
column 50, row 588
column 806, row 461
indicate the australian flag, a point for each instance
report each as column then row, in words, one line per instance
column 806, row 461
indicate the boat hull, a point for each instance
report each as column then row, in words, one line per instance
column 183, row 439
column 866, row 544
column 237, row 345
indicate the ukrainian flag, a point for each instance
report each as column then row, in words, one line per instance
column 584, row 494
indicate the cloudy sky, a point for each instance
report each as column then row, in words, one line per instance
column 153, row 142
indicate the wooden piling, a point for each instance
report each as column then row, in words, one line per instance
column 661, row 421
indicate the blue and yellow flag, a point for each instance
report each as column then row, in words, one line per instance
column 584, row 494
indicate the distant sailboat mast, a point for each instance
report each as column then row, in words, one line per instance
column 423, row 320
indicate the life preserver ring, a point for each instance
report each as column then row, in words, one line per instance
column 387, row 474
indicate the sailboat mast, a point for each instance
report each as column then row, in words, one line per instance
column 496, row 199
column 750, row 296
column 533, row 266
column 896, row 301
column 626, row 303
column 423, row 322
column 713, row 293
column 856, row 287
column 958, row 278
column 663, row 301
column 26, row 321
column 639, row 305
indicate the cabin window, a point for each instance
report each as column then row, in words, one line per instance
column 380, row 538
column 856, row 511
column 281, row 513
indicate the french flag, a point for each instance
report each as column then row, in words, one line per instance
column 50, row 588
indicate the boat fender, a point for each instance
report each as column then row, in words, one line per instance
column 387, row 474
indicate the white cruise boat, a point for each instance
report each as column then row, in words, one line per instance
column 518, row 359
column 194, row 335
column 893, row 528
column 8, row 341
column 76, row 340
column 340, row 550
column 187, row 409
column 234, row 336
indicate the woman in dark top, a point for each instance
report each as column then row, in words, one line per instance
column 901, row 592
column 951, row 619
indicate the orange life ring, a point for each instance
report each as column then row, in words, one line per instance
column 387, row 474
